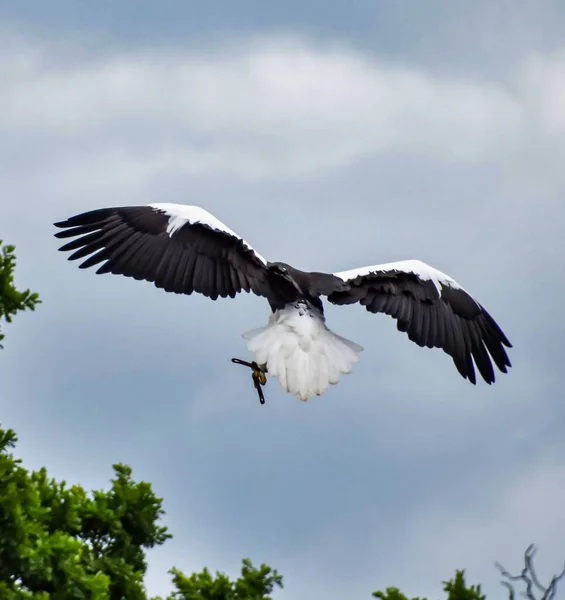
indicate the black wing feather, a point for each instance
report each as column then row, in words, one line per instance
column 133, row 241
column 449, row 319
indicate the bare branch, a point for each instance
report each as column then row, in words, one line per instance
column 511, row 592
column 550, row 594
column 529, row 576
column 528, row 559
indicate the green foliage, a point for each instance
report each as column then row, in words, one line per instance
column 58, row 542
column 393, row 593
column 456, row 589
column 12, row 300
column 253, row 584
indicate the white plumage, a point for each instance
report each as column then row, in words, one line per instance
column 179, row 215
column 298, row 348
column 423, row 271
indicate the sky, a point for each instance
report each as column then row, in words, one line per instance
column 330, row 135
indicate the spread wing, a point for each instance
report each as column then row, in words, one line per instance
column 180, row 248
column 433, row 309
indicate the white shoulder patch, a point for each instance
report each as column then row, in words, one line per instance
column 181, row 214
column 416, row 267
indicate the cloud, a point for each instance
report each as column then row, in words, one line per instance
column 276, row 107
column 496, row 523
column 543, row 83
column 417, row 549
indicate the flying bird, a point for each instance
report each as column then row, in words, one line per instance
column 184, row 249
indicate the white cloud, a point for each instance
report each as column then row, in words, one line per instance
column 417, row 551
column 543, row 88
column 267, row 108
column 501, row 518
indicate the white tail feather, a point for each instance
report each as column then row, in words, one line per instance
column 301, row 351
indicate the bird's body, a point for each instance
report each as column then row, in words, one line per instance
column 184, row 249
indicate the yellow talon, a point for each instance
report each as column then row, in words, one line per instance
column 260, row 377
column 258, row 374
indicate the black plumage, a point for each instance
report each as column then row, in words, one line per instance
column 449, row 319
column 133, row 241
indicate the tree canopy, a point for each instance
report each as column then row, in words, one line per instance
column 58, row 542
column 456, row 589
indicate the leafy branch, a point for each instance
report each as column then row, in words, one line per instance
column 11, row 299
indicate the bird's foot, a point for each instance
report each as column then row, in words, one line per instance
column 258, row 375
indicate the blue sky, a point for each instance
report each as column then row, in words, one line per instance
column 330, row 136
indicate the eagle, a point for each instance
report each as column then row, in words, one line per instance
column 184, row 249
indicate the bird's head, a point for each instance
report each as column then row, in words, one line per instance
column 282, row 267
